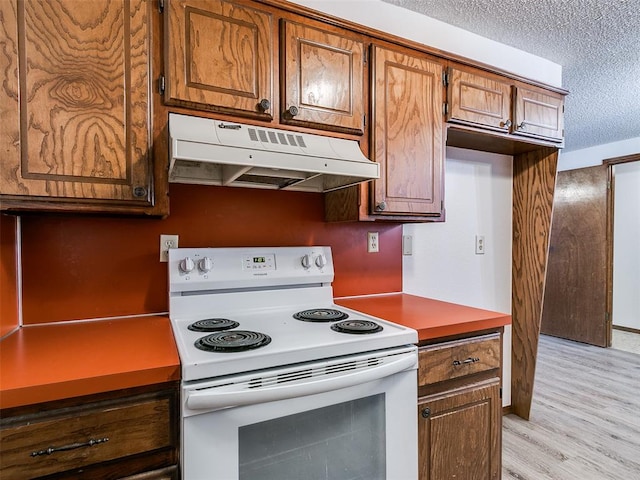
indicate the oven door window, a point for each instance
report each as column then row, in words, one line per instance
column 346, row 440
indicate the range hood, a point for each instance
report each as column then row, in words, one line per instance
column 215, row 152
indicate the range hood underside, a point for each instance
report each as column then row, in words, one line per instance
column 193, row 162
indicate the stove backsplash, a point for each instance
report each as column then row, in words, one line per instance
column 83, row 267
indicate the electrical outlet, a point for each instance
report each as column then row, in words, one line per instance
column 372, row 242
column 480, row 245
column 167, row 242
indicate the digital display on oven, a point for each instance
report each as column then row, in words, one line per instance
column 260, row 263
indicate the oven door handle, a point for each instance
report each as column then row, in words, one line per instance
column 204, row 399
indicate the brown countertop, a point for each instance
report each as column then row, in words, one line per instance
column 48, row 362
column 431, row 318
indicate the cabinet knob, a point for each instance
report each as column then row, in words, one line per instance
column 264, row 105
column 380, row 207
column 139, row 191
column 506, row 124
column 426, row 412
column 521, row 126
column 292, row 110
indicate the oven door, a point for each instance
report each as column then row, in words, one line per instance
column 347, row 418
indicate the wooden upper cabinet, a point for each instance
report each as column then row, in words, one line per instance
column 75, row 105
column 219, row 57
column 539, row 114
column 322, row 79
column 479, row 100
column 407, row 134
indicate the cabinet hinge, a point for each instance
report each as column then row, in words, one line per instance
column 161, row 84
column 161, row 5
column 364, row 56
column 445, row 79
column 445, row 108
column 364, row 120
column 500, row 392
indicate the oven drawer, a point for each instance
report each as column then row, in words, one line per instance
column 44, row 443
column 448, row 360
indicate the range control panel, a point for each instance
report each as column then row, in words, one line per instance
column 196, row 269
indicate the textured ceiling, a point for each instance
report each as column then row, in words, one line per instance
column 597, row 42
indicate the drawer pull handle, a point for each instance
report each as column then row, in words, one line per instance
column 468, row 361
column 71, row 446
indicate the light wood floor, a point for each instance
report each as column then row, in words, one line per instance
column 585, row 417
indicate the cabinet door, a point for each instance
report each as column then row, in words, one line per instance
column 322, row 79
column 479, row 100
column 407, row 134
column 539, row 114
column 75, row 105
column 459, row 433
column 219, row 57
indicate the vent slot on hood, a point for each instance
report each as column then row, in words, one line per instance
column 207, row 151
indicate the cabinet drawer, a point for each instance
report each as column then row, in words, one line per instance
column 40, row 444
column 448, row 360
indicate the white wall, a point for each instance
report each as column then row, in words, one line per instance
column 626, row 246
column 444, row 266
column 592, row 156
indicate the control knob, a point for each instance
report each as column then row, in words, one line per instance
column 321, row 261
column 306, row 261
column 205, row 264
column 186, row 265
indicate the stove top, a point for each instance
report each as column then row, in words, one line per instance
column 279, row 313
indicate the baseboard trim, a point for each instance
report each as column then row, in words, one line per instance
column 507, row 410
column 626, row 329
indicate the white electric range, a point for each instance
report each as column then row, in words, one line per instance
column 258, row 326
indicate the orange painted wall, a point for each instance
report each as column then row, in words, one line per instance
column 80, row 267
column 8, row 275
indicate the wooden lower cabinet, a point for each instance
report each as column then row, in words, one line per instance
column 460, row 409
column 459, row 433
column 134, row 437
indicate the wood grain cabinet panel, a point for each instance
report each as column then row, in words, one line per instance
column 94, row 437
column 479, row 100
column 445, row 361
column 407, row 134
column 539, row 114
column 75, row 105
column 219, row 57
column 322, row 79
column 459, row 433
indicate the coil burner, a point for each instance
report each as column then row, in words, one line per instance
column 356, row 326
column 213, row 325
column 232, row 341
column 321, row 315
